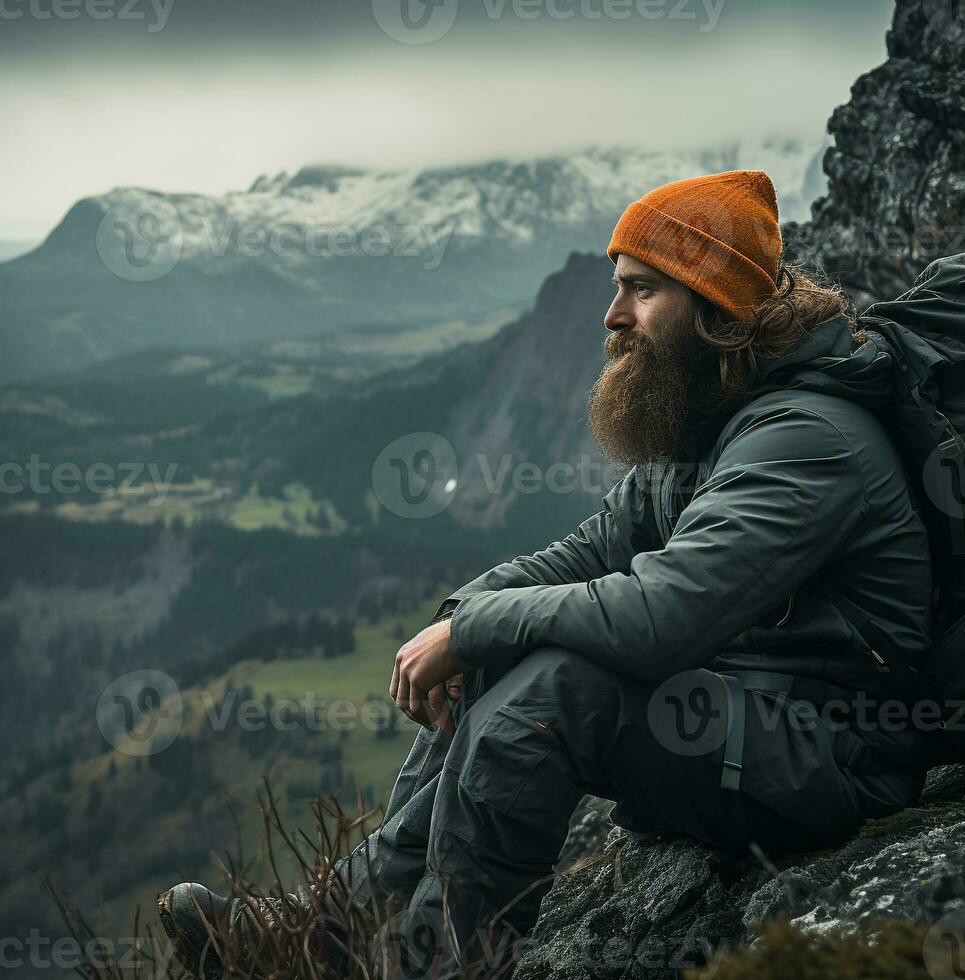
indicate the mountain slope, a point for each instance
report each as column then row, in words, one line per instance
column 512, row 407
column 331, row 249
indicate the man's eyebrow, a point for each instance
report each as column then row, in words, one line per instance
column 633, row 278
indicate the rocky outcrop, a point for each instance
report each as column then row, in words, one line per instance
column 896, row 170
column 649, row 905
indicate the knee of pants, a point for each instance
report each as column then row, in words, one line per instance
column 527, row 726
column 550, row 670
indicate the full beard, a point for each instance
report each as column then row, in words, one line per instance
column 652, row 392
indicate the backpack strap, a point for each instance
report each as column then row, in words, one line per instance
column 951, row 449
column 730, row 777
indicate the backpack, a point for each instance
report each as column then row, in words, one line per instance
column 925, row 330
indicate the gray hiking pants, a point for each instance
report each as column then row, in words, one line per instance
column 476, row 821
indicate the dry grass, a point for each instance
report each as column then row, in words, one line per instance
column 326, row 935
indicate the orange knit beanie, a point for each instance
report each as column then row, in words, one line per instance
column 719, row 235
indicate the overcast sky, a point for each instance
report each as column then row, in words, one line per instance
column 204, row 95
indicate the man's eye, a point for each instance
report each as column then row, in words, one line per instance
column 643, row 289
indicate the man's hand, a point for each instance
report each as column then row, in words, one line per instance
column 422, row 668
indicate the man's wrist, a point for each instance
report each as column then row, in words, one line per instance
column 445, row 610
column 464, row 636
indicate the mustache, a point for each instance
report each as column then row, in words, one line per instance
column 618, row 344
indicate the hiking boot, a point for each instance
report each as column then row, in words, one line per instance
column 199, row 922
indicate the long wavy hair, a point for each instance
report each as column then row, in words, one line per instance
column 804, row 300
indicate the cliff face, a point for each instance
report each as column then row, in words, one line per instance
column 649, row 906
column 896, row 169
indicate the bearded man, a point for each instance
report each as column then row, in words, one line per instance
column 676, row 652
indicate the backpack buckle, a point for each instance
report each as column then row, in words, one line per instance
column 954, row 446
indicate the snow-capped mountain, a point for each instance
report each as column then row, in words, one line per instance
column 510, row 199
column 331, row 248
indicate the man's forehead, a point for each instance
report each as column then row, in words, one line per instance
column 627, row 266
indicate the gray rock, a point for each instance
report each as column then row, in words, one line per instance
column 651, row 905
column 896, row 179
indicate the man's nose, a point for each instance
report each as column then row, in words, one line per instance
column 618, row 317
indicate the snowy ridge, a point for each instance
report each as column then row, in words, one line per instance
column 332, row 248
column 509, row 200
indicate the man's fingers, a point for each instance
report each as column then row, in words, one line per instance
column 419, row 703
column 406, row 697
column 402, row 693
column 444, row 720
column 437, row 699
column 418, row 708
column 439, row 705
column 394, row 682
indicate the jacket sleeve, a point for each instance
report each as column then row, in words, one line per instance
column 602, row 544
column 783, row 498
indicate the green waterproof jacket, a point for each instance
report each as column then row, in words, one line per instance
column 734, row 559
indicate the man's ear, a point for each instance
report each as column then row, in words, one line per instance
column 705, row 309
